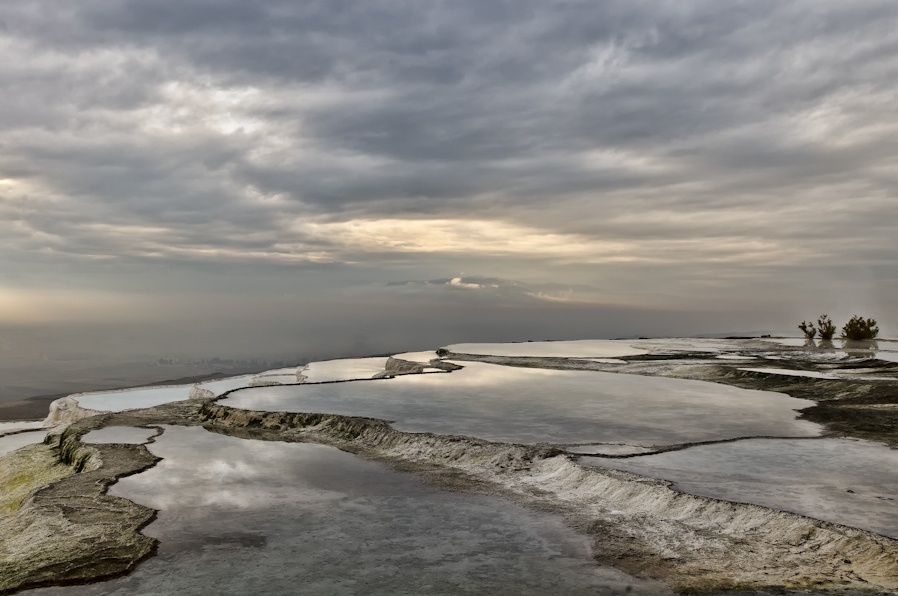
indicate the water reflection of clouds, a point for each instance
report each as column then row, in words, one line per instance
column 586, row 348
column 119, row 434
column 10, row 443
column 143, row 397
column 231, row 478
column 310, row 518
column 512, row 404
column 345, row 369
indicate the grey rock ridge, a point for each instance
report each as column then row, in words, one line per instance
column 397, row 366
column 59, row 525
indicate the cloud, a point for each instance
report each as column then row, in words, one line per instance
column 498, row 291
column 693, row 152
column 457, row 282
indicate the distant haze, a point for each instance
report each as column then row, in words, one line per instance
column 192, row 179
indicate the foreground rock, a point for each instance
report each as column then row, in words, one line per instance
column 68, row 530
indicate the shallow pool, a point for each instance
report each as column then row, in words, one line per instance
column 523, row 405
column 10, row 443
column 252, row 517
column 844, row 481
column 345, row 369
column 131, row 435
column 584, row 348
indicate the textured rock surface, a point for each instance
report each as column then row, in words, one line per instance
column 26, row 470
column 69, row 530
column 639, row 525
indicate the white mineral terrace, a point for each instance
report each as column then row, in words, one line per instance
column 224, row 385
column 346, row 369
column 289, row 512
column 845, row 481
column 527, row 405
column 146, row 397
column 586, row 348
column 12, row 427
column 599, row 351
column 881, row 349
column 420, row 357
column 130, row 399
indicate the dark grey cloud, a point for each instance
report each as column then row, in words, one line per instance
column 687, row 153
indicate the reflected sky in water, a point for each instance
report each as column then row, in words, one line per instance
column 10, row 443
column 510, row 404
column 344, row 369
column 119, row 434
column 253, row 517
column 582, row 348
column 128, row 399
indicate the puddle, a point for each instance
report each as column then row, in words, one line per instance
column 131, row 435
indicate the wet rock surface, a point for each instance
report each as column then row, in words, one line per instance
column 69, row 529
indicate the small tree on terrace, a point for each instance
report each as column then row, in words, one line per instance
column 808, row 329
column 859, row 328
column 825, row 327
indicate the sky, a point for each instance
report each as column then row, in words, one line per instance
column 234, row 177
